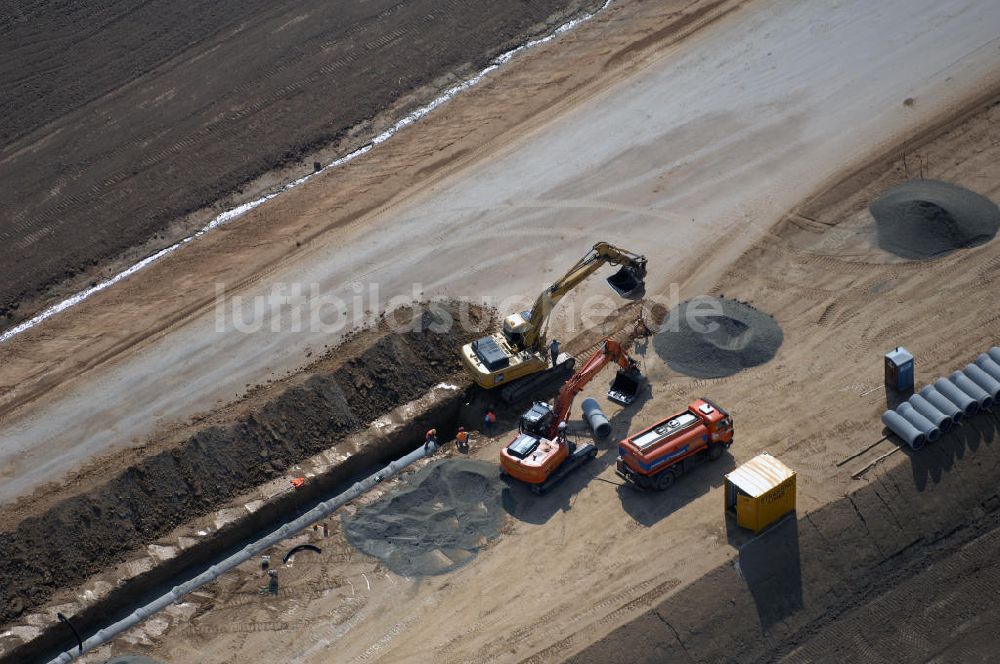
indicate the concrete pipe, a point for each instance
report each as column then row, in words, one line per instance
column 951, row 392
column 986, row 363
column 596, row 418
column 983, row 380
column 899, row 426
column 926, row 427
column 926, row 408
column 994, row 354
column 939, row 401
column 963, row 383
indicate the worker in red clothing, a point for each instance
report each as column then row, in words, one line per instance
column 462, row 439
column 489, row 421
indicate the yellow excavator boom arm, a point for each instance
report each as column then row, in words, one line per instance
column 601, row 253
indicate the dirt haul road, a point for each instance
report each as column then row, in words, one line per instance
column 703, row 146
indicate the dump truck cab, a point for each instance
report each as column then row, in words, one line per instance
column 656, row 456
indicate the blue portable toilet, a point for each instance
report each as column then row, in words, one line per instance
column 899, row 370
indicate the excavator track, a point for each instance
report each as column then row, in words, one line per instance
column 580, row 456
column 539, row 382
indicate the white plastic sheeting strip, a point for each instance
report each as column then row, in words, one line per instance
column 250, row 551
column 240, row 210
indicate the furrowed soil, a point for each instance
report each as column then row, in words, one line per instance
column 123, row 128
column 161, row 491
column 899, row 571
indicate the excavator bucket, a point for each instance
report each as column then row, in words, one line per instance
column 628, row 283
column 625, row 387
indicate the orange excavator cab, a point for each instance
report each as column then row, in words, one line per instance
column 540, row 455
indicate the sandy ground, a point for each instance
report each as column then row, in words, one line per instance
column 787, row 124
column 576, row 564
column 739, row 122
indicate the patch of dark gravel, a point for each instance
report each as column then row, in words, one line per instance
column 926, row 219
column 710, row 337
column 436, row 523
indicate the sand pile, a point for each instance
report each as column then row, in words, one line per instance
column 438, row 522
column 924, row 219
column 712, row 337
column 82, row 534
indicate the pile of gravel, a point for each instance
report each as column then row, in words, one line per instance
column 924, row 219
column 711, row 337
column 441, row 518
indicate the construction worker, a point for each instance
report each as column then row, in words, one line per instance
column 554, row 350
column 489, row 420
column 430, row 440
column 462, row 439
column 562, row 430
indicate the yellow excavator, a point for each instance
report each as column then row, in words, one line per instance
column 520, row 348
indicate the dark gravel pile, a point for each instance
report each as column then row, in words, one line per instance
column 438, row 522
column 712, row 337
column 924, row 219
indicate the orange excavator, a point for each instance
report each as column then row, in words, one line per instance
column 540, row 456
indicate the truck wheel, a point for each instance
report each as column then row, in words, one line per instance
column 715, row 451
column 665, row 480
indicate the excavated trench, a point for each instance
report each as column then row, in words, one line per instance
column 89, row 532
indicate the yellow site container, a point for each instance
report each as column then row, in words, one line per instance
column 760, row 492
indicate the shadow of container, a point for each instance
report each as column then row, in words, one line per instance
column 772, row 570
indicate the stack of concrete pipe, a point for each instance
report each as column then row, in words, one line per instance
column 945, row 403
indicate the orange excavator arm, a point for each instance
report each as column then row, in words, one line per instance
column 610, row 351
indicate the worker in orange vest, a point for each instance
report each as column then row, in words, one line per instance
column 462, row 439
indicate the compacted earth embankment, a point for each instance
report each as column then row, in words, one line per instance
column 85, row 533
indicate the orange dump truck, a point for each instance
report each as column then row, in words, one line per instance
column 655, row 457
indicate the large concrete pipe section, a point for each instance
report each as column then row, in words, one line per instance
column 994, row 354
column 250, row 551
column 899, row 426
column 596, row 418
column 986, row 363
column 940, row 402
column 951, row 392
column 963, row 383
column 990, row 384
column 926, row 427
column 941, row 420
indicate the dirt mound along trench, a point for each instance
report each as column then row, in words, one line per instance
column 925, row 219
column 81, row 535
column 438, row 522
column 715, row 337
